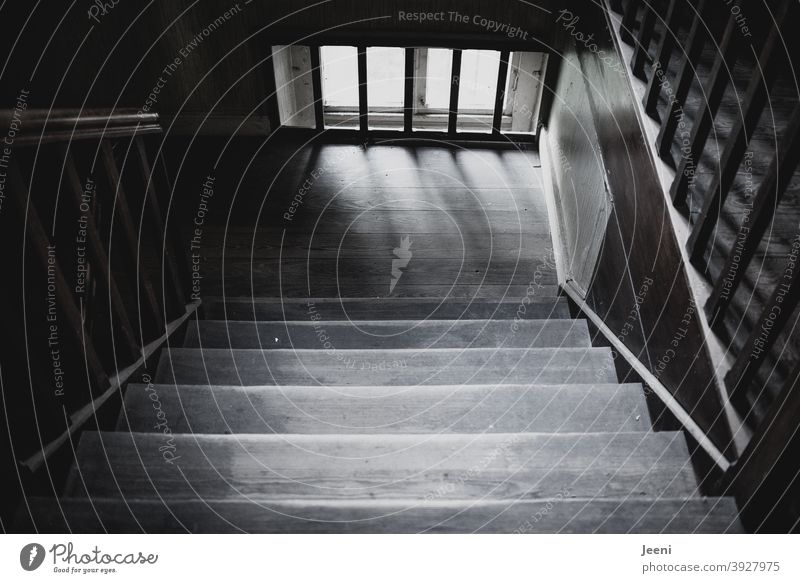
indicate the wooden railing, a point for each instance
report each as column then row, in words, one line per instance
column 99, row 280
column 768, row 469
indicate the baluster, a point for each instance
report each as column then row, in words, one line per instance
column 768, row 464
column 663, row 57
column 725, row 61
column 101, row 261
column 685, row 76
column 628, row 21
column 770, row 323
column 175, row 283
column 736, row 144
column 755, row 223
column 640, row 51
column 129, row 231
column 39, row 241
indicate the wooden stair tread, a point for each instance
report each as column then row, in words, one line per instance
column 497, row 466
column 557, row 515
column 380, row 409
column 388, row 334
column 541, row 303
column 387, row 367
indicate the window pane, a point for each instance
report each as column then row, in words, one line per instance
column 385, row 87
column 432, row 70
column 477, row 90
column 437, row 83
column 340, row 86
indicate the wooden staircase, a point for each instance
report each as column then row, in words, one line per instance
column 384, row 415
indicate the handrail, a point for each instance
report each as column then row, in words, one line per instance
column 62, row 125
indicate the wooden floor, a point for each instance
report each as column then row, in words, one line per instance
column 390, row 356
column 328, row 224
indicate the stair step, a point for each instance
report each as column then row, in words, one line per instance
column 219, row 366
column 557, row 515
column 458, row 466
column 536, row 304
column 388, row 334
column 428, row 409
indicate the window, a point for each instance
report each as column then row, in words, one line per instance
column 430, row 89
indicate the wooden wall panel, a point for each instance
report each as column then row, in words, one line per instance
column 578, row 173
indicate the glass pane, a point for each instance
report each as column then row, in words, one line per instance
column 437, row 87
column 293, row 85
column 340, row 86
column 432, row 69
column 385, row 87
column 477, row 90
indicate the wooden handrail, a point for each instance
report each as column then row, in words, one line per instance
column 64, row 125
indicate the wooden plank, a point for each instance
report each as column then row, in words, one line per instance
column 500, row 93
column 628, row 21
column 557, row 515
column 363, row 105
column 408, row 93
column 39, row 241
column 369, row 334
column 455, row 82
column 643, row 37
column 755, row 222
column 772, row 320
column 306, row 467
column 279, row 309
column 316, row 82
column 762, row 475
column 123, row 211
column 100, row 261
column 380, row 410
column 714, row 92
column 754, row 101
column 340, row 367
column 686, row 74
column 663, row 57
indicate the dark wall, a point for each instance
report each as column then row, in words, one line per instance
column 640, row 262
column 117, row 56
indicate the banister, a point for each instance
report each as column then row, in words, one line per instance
column 65, row 125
